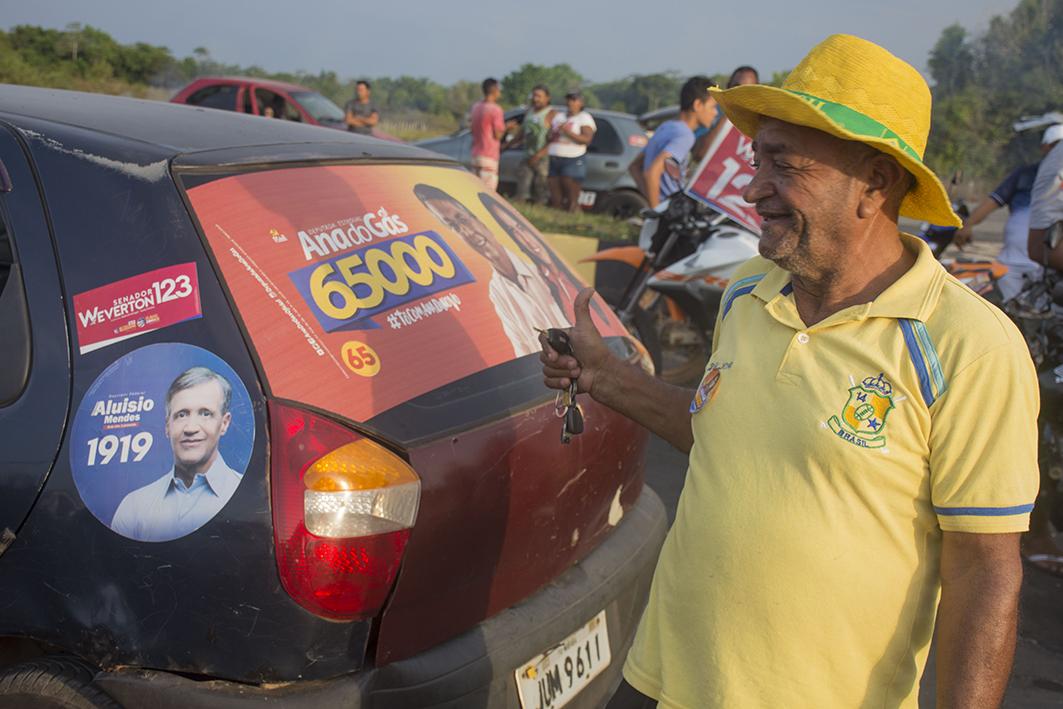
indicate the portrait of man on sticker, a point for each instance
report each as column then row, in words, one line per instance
column 521, row 297
column 199, row 483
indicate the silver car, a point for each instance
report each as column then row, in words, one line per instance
column 608, row 188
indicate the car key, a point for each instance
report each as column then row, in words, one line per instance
column 566, row 406
column 573, row 425
column 558, row 340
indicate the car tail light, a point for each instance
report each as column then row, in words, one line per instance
column 343, row 507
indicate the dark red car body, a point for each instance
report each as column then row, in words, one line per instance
column 518, row 543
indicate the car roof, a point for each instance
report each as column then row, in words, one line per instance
column 136, row 130
column 663, row 113
column 267, row 83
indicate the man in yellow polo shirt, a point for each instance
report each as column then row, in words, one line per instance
column 863, row 443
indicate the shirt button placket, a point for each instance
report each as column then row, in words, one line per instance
column 789, row 367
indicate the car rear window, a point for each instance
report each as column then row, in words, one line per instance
column 217, row 96
column 364, row 286
column 606, row 141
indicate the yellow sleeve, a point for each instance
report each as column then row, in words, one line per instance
column 983, row 444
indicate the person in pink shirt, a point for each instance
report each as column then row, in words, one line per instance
column 488, row 126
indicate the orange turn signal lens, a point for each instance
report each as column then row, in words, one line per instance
column 360, row 489
column 361, row 465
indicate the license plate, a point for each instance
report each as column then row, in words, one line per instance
column 554, row 678
column 586, row 199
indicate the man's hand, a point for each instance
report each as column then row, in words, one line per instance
column 592, row 355
column 963, row 235
column 622, row 386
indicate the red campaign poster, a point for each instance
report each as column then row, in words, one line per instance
column 363, row 286
column 130, row 307
column 724, row 173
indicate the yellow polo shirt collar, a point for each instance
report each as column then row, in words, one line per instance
column 913, row 296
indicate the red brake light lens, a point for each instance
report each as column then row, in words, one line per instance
column 343, row 507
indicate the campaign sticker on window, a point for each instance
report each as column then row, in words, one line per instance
column 133, row 306
column 364, row 286
column 345, row 291
column 161, row 440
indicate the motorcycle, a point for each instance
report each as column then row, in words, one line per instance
column 940, row 237
column 1038, row 312
column 676, row 278
column 978, row 273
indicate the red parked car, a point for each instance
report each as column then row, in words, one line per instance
column 279, row 99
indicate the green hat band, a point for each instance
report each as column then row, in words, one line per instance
column 856, row 122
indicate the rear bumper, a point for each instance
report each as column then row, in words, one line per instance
column 475, row 669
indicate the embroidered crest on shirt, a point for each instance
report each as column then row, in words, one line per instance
column 707, row 388
column 863, row 418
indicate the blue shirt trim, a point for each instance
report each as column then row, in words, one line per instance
column 743, row 286
column 931, row 356
column 983, row 511
column 917, row 361
column 745, row 290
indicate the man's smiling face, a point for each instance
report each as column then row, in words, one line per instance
column 806, row 190
column 195, row 424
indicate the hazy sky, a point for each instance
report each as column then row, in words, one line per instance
column 471, row 39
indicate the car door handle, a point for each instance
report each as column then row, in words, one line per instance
column 612, row 163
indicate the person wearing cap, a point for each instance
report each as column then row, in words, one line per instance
column 1046, row 209
column 863, row 444
column 571, row 132
column 1014, row 193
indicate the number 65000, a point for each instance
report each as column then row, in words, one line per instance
column 419, row 262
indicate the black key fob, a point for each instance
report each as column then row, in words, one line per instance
column 573, row 425
column 558, row 340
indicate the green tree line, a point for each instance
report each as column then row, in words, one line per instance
column 984, row 83
column 87, row 58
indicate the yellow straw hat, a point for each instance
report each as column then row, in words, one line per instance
column 855, row 90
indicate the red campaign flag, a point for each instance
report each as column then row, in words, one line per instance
column 724, row 173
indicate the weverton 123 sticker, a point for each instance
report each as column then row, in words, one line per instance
column 133, row 306
column 161, row 441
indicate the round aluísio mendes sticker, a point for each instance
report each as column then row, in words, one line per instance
column 161, row 440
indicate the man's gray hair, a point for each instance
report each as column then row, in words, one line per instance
column 195, row 376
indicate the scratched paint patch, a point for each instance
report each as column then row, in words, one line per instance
column 161, row 440
column 136, row 305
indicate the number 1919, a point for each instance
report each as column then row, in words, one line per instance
column 102, row 450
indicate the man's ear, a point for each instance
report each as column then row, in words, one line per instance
column 887, row 183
